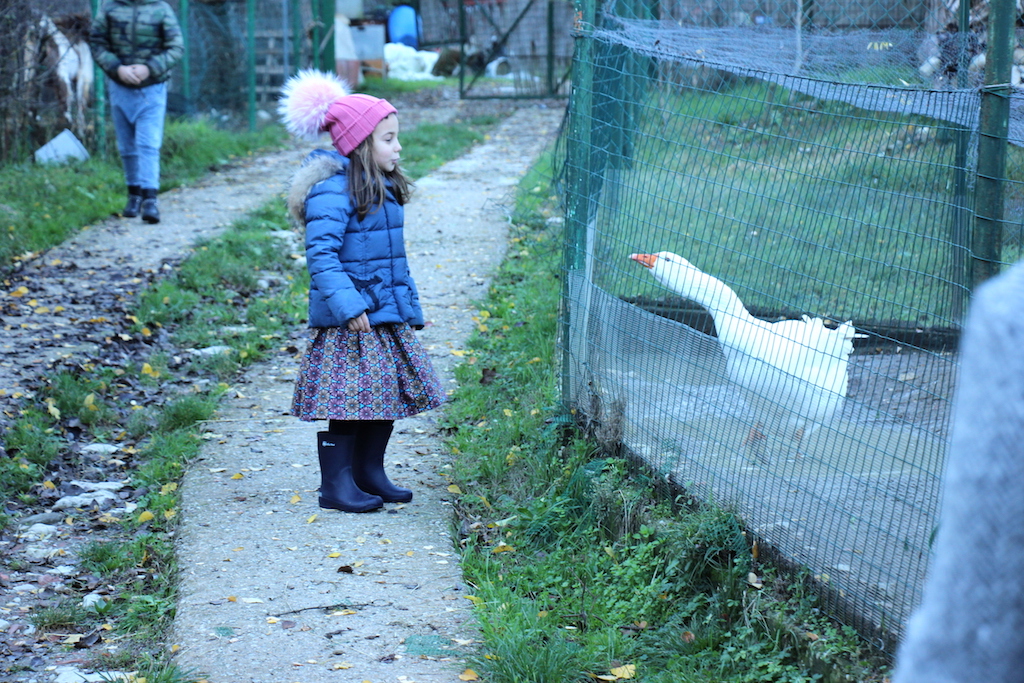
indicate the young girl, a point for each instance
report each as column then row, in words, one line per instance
column 364, row 368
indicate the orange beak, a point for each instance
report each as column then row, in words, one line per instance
column 645, row 260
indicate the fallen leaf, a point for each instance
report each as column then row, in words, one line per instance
column 334, row 555
column 688, row 637
column 454, row 489
column 145, row 516
column 238, row 475
column 272, row 620
column 295, row 499
column 251, row 600
column 312, row 518
column 624, row 672
column 341, row 665
column 753, row 580
column 168, row 487
column 503, row 548
column 469, row 675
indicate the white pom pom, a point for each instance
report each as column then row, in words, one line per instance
column 305, row 99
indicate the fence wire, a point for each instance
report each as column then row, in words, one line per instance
column 799, row 175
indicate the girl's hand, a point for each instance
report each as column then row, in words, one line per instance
column 360, row 324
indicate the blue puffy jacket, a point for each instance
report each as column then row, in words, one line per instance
column 354, row 266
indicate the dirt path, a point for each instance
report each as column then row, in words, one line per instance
column 344, row 597
column 268, row 593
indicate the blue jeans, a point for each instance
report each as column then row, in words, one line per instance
column 139, row 123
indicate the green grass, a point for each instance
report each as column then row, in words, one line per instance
column 44, row 205
column 797, row 204
column 579, row 564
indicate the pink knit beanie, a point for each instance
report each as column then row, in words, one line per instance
column 313, row 102
column 351, row 119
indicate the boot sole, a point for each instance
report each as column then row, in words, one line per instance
column 151, row 219
column 328, row 504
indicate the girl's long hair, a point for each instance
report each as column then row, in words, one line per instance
column 368, row 184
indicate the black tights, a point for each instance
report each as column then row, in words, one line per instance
column 351, row 427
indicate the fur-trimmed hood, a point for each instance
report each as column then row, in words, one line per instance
column 320, row 165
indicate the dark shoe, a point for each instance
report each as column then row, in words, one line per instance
column 150, row 212
column 368, row 464
column 338, row 491
column 131, row 209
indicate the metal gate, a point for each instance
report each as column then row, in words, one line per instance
column 503, row 48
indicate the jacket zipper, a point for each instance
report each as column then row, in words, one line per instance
column 135, row 30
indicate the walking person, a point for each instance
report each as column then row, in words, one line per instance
column 364, row 368
column 136, row 43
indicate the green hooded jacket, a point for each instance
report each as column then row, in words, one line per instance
column 137, row 32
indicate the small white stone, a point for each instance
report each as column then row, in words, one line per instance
column 38, row 532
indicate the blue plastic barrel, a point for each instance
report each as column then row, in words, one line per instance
column 403, row 25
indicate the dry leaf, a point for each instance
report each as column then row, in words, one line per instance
column 688, row 637
column 312, row 518
column 753, row 580
column 334, row 555
column 238, row 475
column 272, row 620
column 503, row 548
column 168, row 487
column 624, row 672
column 469, row 675
column 341, row 665
column 295, row 499
column 454, row 489
column 251, row 600
column 145, row 516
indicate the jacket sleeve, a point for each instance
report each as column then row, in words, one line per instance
column 174, row 46
column 99, row 43
column 328, row 211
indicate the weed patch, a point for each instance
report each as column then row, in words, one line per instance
column 580, row 566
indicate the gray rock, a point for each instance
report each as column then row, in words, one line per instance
column 38, row 532
column 104, row 500
column 43, row 518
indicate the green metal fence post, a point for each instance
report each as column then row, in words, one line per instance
column 961, row 230
column 579, row 204
column 325, row 49
column 250, row 23
column 101, row 99
column 992, row 141
column 551, row 48
column 296, row 36
column 186, row 69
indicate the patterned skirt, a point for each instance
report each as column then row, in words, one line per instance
column 381, row 375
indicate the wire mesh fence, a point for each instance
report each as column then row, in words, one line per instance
column 772, row 234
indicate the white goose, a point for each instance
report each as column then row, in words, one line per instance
column 793, row 368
